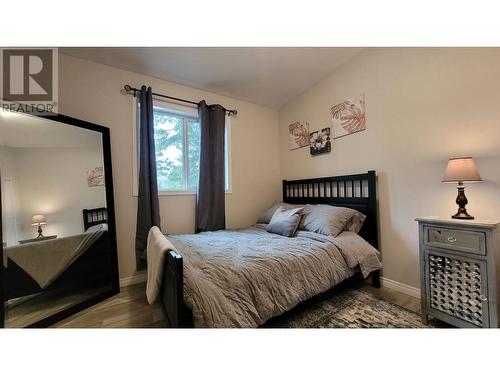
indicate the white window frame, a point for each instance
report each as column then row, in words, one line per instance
column 187, row 112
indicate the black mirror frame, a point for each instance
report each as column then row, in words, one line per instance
column 108, row 178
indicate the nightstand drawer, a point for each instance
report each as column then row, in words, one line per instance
column 467, row 241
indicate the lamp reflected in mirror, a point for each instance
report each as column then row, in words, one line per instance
column 39, row 220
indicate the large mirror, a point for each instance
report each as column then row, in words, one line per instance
column 58, row 229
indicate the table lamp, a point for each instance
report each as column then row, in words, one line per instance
column 39, row 220
column 461, row 170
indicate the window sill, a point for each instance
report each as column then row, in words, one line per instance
column 175, row 192
column 180, row 193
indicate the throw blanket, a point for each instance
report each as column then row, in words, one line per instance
column 243, row 278
column 46, row 260
column 357, row 252
column 157, row 247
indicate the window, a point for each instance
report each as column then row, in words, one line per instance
column 177, row 147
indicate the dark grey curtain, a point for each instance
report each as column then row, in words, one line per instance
column 148, row 211
column 210, row 205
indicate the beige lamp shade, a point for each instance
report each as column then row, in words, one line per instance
column 461, row 170
column 38, row 220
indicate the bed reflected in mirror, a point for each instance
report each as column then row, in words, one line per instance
column 59, row 249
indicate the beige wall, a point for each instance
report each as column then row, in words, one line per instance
column 53, row 181
column 422, row 107
column 10, row 200
column 7, row 166
column 91, row 92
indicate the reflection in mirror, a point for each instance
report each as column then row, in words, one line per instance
column 56, row 244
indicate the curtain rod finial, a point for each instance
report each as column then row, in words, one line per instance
column 126, row 90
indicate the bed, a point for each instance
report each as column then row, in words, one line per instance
column 293, row 271
column 82, row 260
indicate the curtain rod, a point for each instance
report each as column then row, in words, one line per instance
column 129, row 89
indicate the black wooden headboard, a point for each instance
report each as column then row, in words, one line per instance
column 94, row 216
column 357, row 191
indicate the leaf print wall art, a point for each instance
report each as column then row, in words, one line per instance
column 319, row 142
column 298, row 135
column 348, row 117
column 95, row 177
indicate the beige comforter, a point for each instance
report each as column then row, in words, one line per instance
column 45, row 261
column 243, row 278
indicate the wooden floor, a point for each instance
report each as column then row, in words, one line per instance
column 25, row 311
column 130, row 309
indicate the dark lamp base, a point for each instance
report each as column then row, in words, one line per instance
column 463, row 216
column 462, row 202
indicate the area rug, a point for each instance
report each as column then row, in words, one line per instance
column 350, row 308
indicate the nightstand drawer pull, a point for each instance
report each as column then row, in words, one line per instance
column 452, row 239
column 482, row 297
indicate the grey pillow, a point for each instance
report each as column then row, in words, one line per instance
column 266, row 216
column 285, row 221
column 329, row 220
column 356, row 222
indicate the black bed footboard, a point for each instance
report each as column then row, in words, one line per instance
column 172, row 293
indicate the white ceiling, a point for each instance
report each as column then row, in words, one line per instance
column 20, row 130
column 267, row 76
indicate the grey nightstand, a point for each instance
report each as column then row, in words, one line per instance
column 459, row 269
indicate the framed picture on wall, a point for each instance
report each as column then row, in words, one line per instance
column 348, row 117
column 298, row 135
column 95, row 177
column 319, row 142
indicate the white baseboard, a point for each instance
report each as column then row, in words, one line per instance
column 400, row 287
column 388, row 283
column 140, row 277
